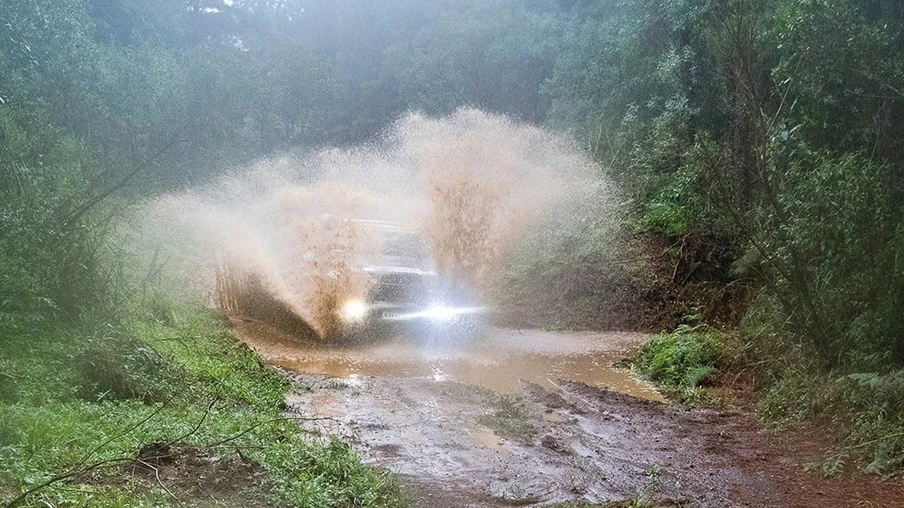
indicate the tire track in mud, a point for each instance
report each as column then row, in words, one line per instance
column 456, row 445
column 460, row 445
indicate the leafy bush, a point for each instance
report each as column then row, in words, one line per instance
column 838, row 67
column 684, row 360
column 879, row 420
column 832, row 246
column 122, row 368
column 866, row 410
column 54, row 252
column 667, row 217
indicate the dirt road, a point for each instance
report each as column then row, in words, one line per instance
column 536, row 418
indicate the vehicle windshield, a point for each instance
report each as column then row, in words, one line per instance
column 400, row 246
column 403, row 245
column 402, row 249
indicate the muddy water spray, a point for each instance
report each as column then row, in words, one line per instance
column 473, row 182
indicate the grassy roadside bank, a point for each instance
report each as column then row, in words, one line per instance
column 165, row 409
column 861, row 413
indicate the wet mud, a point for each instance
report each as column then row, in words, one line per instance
column 547, row 432
column 497, row 359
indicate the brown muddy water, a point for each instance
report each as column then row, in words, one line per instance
column 499, row 359
column 560, row 434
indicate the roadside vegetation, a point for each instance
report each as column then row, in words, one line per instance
column 113, row 393
column 767, row 160
column 163, row 408
column 757, row 147
column 684, row 361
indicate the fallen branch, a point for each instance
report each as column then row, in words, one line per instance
column 197, row 426
column 81, row 469
column 157, row 476
column 60, row 477
column 123, row 433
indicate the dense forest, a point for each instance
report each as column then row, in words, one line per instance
column 759, row 144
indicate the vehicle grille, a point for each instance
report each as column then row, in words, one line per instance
column 406, row 288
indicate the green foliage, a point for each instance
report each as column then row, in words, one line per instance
column 216, row 390
column 121, row 368
column 329, row 475
column 218, row 361
column 495, row 57
column 865, row 409
column 772, row 129
column 666, row 216
column 835, row 230
column 838, row 68
column 789, row 153
column 7, row 380
column 54, row 266
column 682, row 362
column 677, row 203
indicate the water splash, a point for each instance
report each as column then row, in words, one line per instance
column 474, row 183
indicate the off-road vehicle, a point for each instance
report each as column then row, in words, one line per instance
column 404, row 291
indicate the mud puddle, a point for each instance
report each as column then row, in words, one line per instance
column 498, row 359
column 491, row 425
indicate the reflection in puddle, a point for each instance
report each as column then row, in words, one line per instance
column 438, row 374
column 498, row 360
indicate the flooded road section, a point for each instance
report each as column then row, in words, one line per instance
column 499, row 359
column 536, row 419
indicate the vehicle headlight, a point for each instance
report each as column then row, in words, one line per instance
column 441, row 313
column 354, row 310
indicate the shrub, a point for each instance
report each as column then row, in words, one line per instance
column 865, row 409
column 684, row 360
column 120, row 368
column 53, row 251
column 831, row 244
